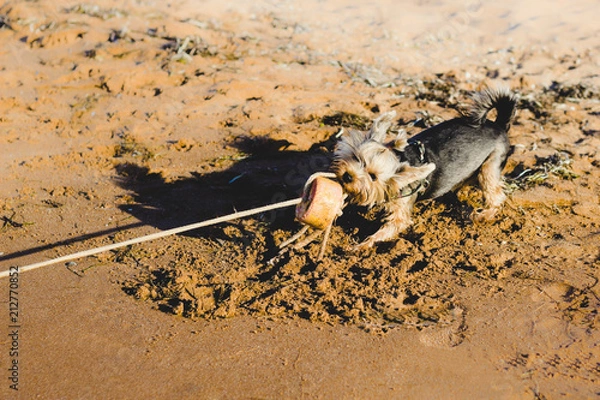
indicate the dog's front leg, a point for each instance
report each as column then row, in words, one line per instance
column 397, row 220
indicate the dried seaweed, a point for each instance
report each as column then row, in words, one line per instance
column 347, row 120
column 558, row 164
column 441, row 89
column 128, row 146
column 183, row 49
column 562, row 91
column 95, row 11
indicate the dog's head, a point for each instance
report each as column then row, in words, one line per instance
column 368, row 168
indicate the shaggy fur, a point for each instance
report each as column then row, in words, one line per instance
column 432, row 163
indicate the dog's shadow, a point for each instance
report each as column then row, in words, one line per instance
column 266, row 174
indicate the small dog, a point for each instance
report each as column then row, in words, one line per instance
column 430, row 164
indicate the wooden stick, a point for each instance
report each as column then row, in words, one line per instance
column 324, row 243
column 157, row 235
column 294, row 238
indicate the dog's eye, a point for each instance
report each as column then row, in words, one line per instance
column 346, row 178
column 373, row 176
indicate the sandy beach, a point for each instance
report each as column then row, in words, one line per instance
column 121, row 119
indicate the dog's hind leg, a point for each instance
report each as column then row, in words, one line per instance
column 492, row 185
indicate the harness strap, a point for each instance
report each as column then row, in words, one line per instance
column 413, row 188
column 417, row 186
column 421, row 148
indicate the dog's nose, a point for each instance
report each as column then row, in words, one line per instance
column 346, row 178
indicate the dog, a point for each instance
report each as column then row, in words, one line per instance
column 441, row 159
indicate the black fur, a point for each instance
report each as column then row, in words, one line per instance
column 460, row 146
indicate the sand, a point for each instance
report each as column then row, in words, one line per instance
column 119, row 119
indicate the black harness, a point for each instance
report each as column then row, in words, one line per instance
column 414, row 154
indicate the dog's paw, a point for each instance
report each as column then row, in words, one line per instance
column 364, row 246
column 384, row 234
column 484, row 215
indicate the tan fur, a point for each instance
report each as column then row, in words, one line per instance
column 397, row 220
column 395, row 173
column 371, row 174
column 490, row 180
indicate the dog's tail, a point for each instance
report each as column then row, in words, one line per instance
column 501, row 99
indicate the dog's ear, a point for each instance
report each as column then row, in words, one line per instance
column 381, row 125
column 352, row 138
column 401, row 141
column 408, row 175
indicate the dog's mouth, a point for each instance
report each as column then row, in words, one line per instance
column 356, row 196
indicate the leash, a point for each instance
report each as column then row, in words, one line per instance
column 157, row 235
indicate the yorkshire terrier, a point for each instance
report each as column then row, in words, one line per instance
column 396, row 173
